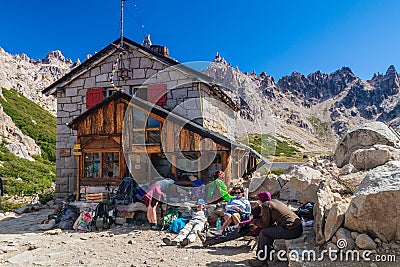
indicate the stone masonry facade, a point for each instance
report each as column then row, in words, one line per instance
column 186, row 96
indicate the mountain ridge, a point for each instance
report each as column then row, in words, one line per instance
column 313, row 109
column 340, row 99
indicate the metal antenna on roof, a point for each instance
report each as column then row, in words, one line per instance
column 122, row 23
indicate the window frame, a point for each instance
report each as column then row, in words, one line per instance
column 102, row 176
column 149, row 129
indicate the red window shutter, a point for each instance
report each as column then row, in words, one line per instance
column 93, row 97
column 157, row 94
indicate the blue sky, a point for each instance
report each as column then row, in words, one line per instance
column 278, row 37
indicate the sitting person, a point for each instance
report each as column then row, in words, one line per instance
column 237, row 209
column 245, row 228
column 277, row 221
column 217, row 189
column 195, row 225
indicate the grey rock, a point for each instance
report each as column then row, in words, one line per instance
column 335, row 219
column 354, row 235
column 347, row 169
column 363, row 241
column 344, row 239
column 322, row 205
column 374, row 208
column 302, row 186
column 365, row 159
column 363, row 137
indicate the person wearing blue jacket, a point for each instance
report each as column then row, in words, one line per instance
column 237, row 209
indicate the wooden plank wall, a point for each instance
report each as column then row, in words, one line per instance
column 107, row 120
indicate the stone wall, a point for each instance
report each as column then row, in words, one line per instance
column 184, row 96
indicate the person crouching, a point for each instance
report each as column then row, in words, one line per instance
column 277, row 222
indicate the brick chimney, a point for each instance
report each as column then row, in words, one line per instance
column 163, row 50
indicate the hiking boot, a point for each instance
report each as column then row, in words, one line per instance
column 185, row 242
column 155, row 227
column 216, row 232
column 166, row 241
column 257, row 263
column 202, row 236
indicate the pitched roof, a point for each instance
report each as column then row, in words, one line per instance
column 155, row 109
column 111, row 48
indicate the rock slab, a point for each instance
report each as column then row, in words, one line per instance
column 376, row 200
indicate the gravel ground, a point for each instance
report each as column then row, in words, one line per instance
column 128, row 245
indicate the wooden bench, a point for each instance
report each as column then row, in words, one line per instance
column 97, row 197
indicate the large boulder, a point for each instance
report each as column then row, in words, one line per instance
column 365, row 159
column 374, row 209
column 335, row 218
column 302, row 186
column 363, row 137
column 323, row 204
column 264, row 183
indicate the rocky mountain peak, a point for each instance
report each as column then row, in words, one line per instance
column 389, row 81
column 30, row 77
column 219, row 59
column 391, row 71
column 54, row 57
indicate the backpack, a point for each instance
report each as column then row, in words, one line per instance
column 197, row 190
column 170, row 217
column 306, row 211
column 104, row 216
column 83, row 222
column 128, row 191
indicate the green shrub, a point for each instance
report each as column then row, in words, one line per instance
column 23, row 175
column 9, row 206
column 46, row 195
column 33, row 121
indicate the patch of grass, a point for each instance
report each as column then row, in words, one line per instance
column 278, row 171
column 23, row 175
column 33, row 121
column 270, row 146
column 290, row 141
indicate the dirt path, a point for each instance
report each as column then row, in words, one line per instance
column 21, row 245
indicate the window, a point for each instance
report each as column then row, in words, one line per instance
column 187, row 165
column 154, row 93
column 92, row 165
column 138, row 91
column 101, row 165
column 110, row 164
column 162, row 165
column 110, row 91
column 157, row 94
column 147, row 132
column 153, row 134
